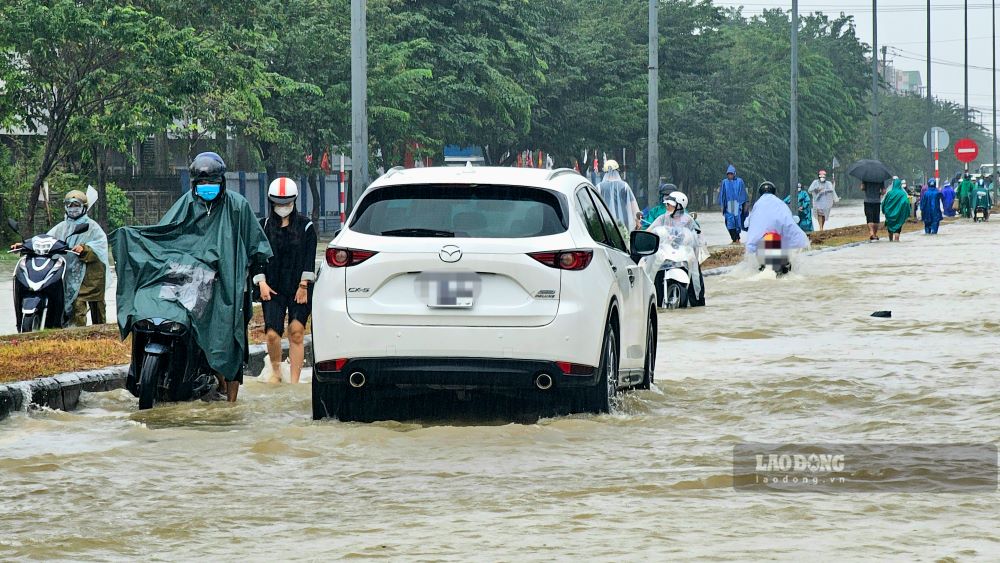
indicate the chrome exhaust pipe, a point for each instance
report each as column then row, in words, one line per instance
column 543, row 381
column 357, row 380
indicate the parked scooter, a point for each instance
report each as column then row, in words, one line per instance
column 167, row 364
column 38, row 280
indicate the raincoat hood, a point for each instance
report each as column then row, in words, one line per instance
column 731, row 170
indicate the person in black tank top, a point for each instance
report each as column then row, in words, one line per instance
column 286, row 284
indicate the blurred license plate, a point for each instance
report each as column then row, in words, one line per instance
column 454, row 290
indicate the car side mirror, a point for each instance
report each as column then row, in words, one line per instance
column 81, row 228
column 643, row 243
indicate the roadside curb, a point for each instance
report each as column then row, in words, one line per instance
column 62, row 392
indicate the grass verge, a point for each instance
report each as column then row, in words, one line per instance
column 51, row 352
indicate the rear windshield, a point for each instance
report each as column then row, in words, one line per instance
column 464, row 211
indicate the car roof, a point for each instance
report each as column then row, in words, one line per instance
column 562, row 179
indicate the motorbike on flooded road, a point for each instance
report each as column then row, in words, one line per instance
column 167, row 365
column 674, row 264
column 772, row 255
column 38, row 280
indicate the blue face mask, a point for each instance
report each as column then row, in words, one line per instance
column 208, row 192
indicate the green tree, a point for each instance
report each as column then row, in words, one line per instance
column 71, row 68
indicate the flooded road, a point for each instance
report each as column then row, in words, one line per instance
column 791, row 360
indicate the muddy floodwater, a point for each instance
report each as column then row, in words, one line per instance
column 791, row 360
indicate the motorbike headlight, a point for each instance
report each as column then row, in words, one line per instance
column 172, row 328
column 145, row 325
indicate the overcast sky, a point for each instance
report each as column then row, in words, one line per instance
column 902, row 26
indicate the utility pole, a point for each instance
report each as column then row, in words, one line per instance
column 875, row 73
column 930, row 99
column 653, row 166
column 965, row 30
column 793, row 141
column 359, row 100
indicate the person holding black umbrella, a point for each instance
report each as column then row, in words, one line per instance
column 873, row 206
column 873, row 175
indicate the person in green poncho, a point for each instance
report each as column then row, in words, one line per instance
column 805, row 208
column 964, row 191
column 194, row 268
column 659, row 210
column 896, row 207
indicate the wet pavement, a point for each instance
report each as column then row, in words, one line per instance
column 791, row 360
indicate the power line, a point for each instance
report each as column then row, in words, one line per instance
column 904, row 54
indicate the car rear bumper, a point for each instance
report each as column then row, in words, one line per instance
column 454, row 373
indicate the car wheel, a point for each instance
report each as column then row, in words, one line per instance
column 600, row 396
column 327, row 399
column 647, row 377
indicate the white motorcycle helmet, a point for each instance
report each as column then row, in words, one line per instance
column 681, row 199
column 282, row 193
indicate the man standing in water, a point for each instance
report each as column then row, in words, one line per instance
column 733, row 200
column 873, row 206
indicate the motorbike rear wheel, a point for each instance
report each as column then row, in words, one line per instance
column 148, row 380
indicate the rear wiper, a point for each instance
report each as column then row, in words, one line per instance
column 417, row 233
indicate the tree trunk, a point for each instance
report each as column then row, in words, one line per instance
column 314, row 190
column 267, row 152
column 102, row 185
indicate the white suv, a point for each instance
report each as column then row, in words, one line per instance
column 499, row 280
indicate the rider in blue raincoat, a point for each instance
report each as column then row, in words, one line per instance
column 733, row 200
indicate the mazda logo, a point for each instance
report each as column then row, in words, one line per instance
column 450, row 253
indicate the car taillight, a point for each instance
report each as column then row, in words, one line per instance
column 772, row 240
column 346, row 257
column 565, row 259
column 332, row 365
column 575, row 369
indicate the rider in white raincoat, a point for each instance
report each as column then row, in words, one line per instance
column 679, row 238
column 771, row 215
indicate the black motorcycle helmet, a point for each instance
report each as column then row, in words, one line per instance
column 766, row 188
column 208, row 168
column 666, row 189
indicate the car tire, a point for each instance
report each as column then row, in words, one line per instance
column 651, row 339
column 327, row 399
column 598, row 399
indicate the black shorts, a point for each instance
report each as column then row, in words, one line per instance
column 873, row 212
column 280, row 305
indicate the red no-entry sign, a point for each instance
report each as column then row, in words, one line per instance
column 966, row 150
